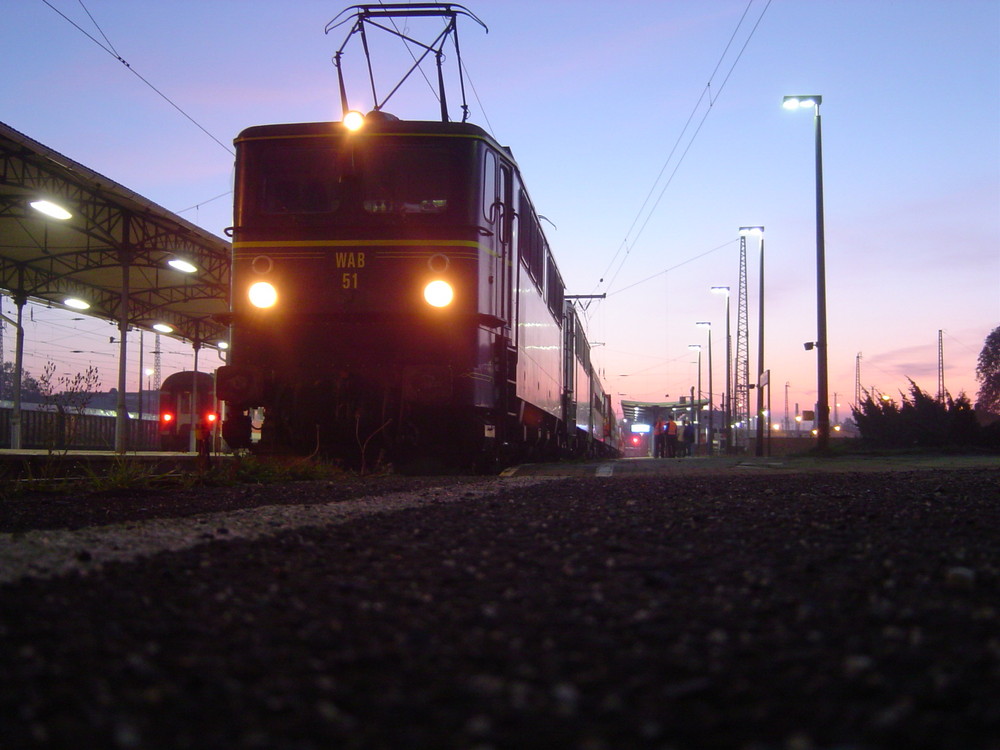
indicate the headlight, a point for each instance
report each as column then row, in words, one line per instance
column 439, row 293
column 262, row 294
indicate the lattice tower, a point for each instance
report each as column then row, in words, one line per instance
column 940, row 394
column 741, row 401
column 857, row 382
column 156, row 364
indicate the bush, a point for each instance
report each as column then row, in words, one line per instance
column 919, row 421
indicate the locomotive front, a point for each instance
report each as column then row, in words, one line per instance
column 357, row 289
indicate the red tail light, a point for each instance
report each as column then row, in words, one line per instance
column 167, row 417
column 211, row 417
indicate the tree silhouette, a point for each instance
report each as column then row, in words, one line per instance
column 988, row 373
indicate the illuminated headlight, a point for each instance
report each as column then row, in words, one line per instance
column 353, row 120
column 262, row 294
column 439, row 293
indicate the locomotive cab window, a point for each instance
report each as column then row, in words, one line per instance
column 410, row 179
column 298, row 181
column 375, row 180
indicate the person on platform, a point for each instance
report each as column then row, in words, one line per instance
column 659, row 438
column 671, row 432
column 688, row 438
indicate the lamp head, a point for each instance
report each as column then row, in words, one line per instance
column 802, row 101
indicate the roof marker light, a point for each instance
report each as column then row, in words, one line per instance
column 353, row 120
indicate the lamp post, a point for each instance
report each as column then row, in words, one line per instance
column 728, row 398
column 149, row 388
column 711, row 399
column 759, row 232
column 696, row 405
column 822, row 346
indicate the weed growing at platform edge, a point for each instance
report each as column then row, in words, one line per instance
column 267, row 470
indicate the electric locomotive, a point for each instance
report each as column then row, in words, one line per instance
column 393, row 294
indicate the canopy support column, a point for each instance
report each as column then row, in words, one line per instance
column 121, row 416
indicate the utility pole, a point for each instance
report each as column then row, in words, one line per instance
column 786, row 422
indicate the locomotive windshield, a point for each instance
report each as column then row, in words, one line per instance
column 372, row 180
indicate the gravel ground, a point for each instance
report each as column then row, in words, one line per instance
column 791, row 611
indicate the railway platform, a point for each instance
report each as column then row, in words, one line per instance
column 44, row 464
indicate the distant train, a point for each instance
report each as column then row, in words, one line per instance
column 186, row 398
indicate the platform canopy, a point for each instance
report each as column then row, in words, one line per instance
column 110, row 253
column 647, row 412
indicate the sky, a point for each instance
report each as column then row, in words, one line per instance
column 647, row 133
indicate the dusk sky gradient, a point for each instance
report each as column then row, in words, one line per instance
column 647, row 133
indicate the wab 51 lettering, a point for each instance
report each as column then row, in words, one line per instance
column 349, row 260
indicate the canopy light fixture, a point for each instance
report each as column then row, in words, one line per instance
column 76, row 303
column 179, row 264
column 50, row 209
column 163, row 328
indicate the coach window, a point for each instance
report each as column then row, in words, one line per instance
column 489, row 186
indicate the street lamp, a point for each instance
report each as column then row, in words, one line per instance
column 822, row 345
column 711, row 400
column 696, row 407
column 759, row 232
column 728, row 398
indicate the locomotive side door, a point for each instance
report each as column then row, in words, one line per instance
column 506, row 261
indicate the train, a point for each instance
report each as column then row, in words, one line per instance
column 394, row 296
column 187, row 399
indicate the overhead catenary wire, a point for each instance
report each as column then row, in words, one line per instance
column 673, row 268
column 109, row 48
column 630, row 240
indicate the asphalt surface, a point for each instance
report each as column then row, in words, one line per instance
column 699, row 603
